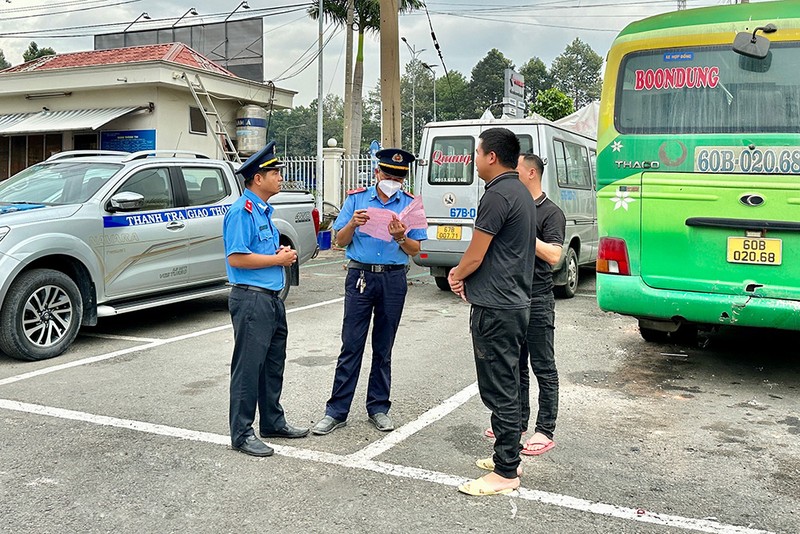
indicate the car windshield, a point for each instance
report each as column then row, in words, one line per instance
column 57, row 183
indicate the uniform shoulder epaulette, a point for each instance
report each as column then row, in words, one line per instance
column 358, row 190
column 248, row 206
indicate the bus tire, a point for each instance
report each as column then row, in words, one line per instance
column 41, row 315
column 567, row 291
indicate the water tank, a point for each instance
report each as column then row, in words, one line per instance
column 251, row 129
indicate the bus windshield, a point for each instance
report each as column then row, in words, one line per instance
column 709, row 89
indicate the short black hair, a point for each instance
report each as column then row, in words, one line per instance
column 534, row 161
column 504, row 143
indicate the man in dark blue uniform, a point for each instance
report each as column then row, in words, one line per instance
column 375, row 285
column 255, row 266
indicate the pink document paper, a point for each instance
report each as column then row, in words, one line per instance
column 413, row 216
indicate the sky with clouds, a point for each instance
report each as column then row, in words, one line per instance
column 465, row 30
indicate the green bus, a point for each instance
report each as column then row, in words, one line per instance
column 698, row 171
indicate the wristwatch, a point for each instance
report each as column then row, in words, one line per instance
column 401, row 240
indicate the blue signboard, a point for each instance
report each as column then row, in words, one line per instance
column 128, row 140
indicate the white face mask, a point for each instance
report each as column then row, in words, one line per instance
column 389, row 187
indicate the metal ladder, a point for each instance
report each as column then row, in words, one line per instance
column 209, row 111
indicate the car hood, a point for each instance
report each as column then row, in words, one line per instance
column 11, row 214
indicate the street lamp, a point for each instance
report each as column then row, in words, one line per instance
column 144, row 16
column 286, row 138
column 191, row 11
column 243, row 4
column 414, row 54
column 430, row 68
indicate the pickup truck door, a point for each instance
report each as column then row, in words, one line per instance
column 146, row 250
column 208, row 196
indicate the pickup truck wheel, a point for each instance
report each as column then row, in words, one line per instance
column 287, row 275
column 41, row 315
column 567, row 291
column 442, row 283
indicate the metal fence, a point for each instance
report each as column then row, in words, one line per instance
column 354, row 171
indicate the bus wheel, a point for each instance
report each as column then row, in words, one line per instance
column 653, row 336
column 442, row 283
column 567, row 291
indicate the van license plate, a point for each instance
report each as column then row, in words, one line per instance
column 448, row 233
column 755, row 250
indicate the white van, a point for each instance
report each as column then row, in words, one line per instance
column 446, row 179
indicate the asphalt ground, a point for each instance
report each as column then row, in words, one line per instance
column 127, row 431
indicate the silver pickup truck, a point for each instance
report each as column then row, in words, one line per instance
column 90, row 234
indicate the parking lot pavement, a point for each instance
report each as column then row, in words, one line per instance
column 127, row 432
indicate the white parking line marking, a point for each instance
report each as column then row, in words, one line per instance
column 130, row 350
column 402, row 471
column 586, row 295
column 122, row 338
column 431, row 416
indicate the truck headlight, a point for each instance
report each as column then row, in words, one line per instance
column 3, row 231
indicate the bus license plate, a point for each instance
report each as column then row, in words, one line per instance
column 755, row 250
column 448, row 233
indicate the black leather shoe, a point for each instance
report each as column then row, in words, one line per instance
column 326, row 425
column 254, row 447
column 287, row 431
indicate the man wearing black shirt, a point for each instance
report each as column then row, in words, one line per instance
column 550, row 229
column 495, row 276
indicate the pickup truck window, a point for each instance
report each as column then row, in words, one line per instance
column 204, row 185
column 154, row 186
column 64, row 183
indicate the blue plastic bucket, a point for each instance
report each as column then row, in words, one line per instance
column 324, row 239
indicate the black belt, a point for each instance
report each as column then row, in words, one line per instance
column 374, row 268
column 257, row 289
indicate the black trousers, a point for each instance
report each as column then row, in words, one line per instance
column 259, row 358
column 540, row 345
column 497, row 338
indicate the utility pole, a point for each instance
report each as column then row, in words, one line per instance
column 347, row 142
column 390, row 75
column 433, row 73
column 414, row 54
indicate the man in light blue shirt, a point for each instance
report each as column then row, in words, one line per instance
column 375, row 285
column 255, row 266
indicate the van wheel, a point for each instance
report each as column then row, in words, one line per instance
column 442, row 283
column 41, row 316
column 653, row 336
column 567, row 291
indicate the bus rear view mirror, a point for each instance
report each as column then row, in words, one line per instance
column 755, row 46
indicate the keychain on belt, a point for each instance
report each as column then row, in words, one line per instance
column 361, row 283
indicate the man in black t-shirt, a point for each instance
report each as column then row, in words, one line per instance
column 550, row 228
column 495, row 275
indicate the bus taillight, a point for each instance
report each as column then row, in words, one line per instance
column 612, row 256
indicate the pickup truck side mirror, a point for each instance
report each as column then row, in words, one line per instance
column 125, row 201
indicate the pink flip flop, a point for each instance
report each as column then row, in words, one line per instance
column 489, row 433
column 543, row 448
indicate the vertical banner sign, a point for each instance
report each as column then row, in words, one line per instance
column 513, row 94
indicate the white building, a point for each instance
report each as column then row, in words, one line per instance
column 134, row 98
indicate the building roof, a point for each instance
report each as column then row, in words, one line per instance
column 173, row 52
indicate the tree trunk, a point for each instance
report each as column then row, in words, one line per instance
column 358, row 83
column 347, row 143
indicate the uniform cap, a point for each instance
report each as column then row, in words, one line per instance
column 394, row 161
column 264, row 159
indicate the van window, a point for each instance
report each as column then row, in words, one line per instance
column 525, row 144
column 572, row 164
column 451, row 161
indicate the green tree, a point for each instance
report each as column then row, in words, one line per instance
column 453, row 99
column 487, row 83
column 34, row 52
column 553, row 104
column 366, row 18
column 536, row 79
column 4, row 64
column 416, row 96
column 576, row 73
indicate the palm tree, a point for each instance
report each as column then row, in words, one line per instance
column 366, row 18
